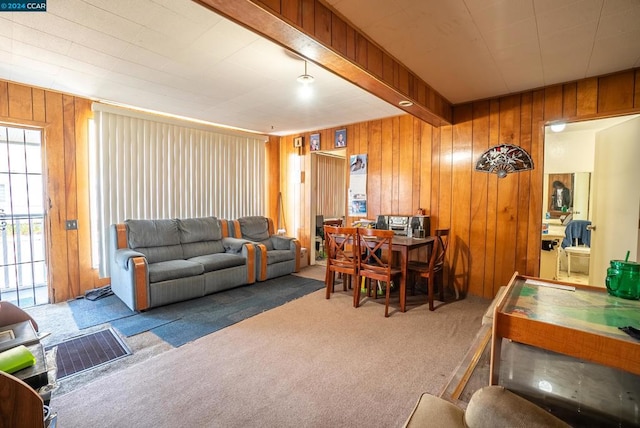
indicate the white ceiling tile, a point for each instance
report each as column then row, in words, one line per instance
column 102, row 20
column 617, row 6
column 627, row 21
column 516, row 33
column 502, row 15
column 622, row 49
column 568, row 16
column 188, row 9
column 6, row 27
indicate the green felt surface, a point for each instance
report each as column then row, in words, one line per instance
column 580, row 309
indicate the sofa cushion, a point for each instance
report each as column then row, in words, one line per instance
column 195, row 249
column 199, row 229
column 255, row 228
column 173, row 269
column 277, row 256
column 158, row 240
column 152, row 233
column 212, row 262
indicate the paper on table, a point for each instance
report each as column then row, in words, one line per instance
column 550, row 284
column 6, row 335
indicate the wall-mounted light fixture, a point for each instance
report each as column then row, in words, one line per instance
column 558, row 126
column 504, row 159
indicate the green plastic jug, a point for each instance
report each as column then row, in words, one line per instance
column 623, row 279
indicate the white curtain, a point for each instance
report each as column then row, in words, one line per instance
column 330, row 198
column 146, row 167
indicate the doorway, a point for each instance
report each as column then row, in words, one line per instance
column 23, row 269
column 328, row 171
column 570, row 156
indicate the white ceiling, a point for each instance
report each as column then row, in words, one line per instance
column 174, row 56
column 475, row 49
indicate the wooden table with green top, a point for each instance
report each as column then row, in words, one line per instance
column 576, row 320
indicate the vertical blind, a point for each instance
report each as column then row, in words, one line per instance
column 330, row 198
column 146, row 168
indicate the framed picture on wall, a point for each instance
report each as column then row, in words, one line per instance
column 297, row 142
column 341, row 138
column 315, row 142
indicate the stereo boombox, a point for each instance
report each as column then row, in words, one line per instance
column 405, row 225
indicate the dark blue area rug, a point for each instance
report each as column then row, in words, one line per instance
column 88, row 313
column 183, row 322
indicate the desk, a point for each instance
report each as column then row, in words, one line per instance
column 582, row 323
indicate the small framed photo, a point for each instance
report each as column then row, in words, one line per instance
column 341, row 138
column 297, row 142
column 315, row 142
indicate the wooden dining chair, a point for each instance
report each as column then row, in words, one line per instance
column 341, row 244
column 434, row 267
column 374, row 262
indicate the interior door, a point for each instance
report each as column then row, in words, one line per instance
column 616, row 198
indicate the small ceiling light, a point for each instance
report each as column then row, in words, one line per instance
column 558, row 127
column 305, row 78
column 405, row 103
column 305, row 91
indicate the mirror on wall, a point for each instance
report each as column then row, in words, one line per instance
column 567, row 194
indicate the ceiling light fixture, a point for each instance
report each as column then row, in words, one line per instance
column 305, row 78
column 405, row 103
column 558, row 127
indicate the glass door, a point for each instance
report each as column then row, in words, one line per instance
column 23, row 274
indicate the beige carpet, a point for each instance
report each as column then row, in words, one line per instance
column 309, row 363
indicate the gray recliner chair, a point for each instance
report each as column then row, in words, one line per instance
column 276, row 255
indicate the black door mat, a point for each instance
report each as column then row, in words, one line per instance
column 88, row 351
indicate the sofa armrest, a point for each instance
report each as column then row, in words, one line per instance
column 282, row 242
column 234, row 245
column 130, row 278
column 287, row 243
column 122, row 257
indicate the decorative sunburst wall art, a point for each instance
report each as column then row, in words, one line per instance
column 504, row 159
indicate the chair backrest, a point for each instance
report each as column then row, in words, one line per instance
column 342, row 248
column 12, row 314
column 440, row 245
column 577, row 232
column 373, row 244
column 21, row 406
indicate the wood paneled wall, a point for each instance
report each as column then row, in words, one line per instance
column 412, row 164
column 64, row 122
column 495, row 223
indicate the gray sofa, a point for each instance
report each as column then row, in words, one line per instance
column 156, row 262
column 275, row 255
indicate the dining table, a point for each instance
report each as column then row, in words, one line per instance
column 403, row 245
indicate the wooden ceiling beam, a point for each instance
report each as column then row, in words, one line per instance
column 318, row 34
